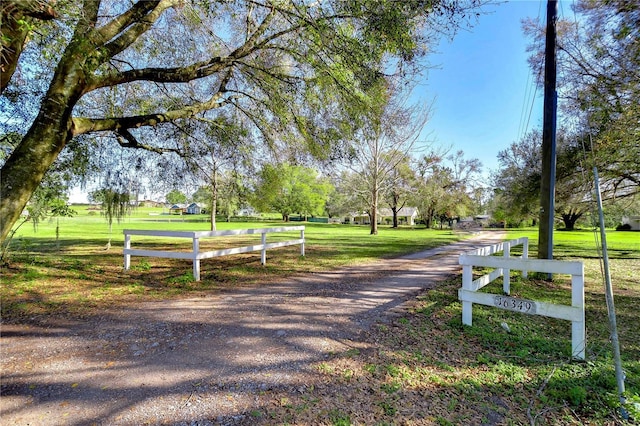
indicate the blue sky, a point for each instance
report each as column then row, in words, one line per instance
column 483, row 82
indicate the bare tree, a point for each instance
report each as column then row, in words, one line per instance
column 399, row 187
column 385, row 145
column 218, row 147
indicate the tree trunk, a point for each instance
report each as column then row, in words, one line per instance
column 27, row 165
column 570, row 220
column 373, row 215
column 214, row 198
column 58, row 234
column 39, row 148
column 394, row 209
column 212, row 213
column 429, row 218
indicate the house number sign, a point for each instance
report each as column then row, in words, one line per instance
column 517, row 305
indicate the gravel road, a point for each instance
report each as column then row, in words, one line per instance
column 209, row 360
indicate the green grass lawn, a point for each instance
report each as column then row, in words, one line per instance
column 508, row 368
column 582, row 244
column 423, row 368
column 75, row 273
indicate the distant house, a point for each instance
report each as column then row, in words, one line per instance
column 406, row 216
column 150, row 203
column 247, row 211
column 178, row 209
column 632, row 221
column 195, row 208
column 361, row 218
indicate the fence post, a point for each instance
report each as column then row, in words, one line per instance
column 302, row 245
column 127, row 246
column 578, row 334
column 263, row 254
column 525, row 254
column 574, row 313
column 196, row 260
column 467, row 307
column 506, row 273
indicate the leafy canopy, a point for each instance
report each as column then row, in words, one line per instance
column 300, row 76
column 289, row 189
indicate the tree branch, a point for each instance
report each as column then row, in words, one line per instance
column 88, row 19
column 127, row 140
column 136, row 28
column 15, row 17
column 161, row 75
column 283, row 77
column 83, row 125
column 108, row 31
column 39, row 9
column 251, row 42
column 178, row 74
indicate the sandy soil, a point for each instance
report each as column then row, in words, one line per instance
column 205, row 361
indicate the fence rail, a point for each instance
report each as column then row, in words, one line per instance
column 483, row 257
column 196, row 255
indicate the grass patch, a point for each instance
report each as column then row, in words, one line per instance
column 427, row 368
column 78, row 274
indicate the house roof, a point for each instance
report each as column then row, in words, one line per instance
column 405, row 211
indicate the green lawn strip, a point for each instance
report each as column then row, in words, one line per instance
column 582, row 243
column 77, row 274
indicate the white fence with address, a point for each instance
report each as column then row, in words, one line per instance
column 483, row 257
column 196, row 255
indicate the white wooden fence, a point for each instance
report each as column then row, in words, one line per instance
column 196, row 255
column 482, row 257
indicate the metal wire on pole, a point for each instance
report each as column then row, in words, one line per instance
column 615, row 342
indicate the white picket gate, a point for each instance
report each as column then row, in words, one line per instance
column 196, row 255
column 482, row 257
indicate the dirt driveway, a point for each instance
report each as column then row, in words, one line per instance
column 208, row 360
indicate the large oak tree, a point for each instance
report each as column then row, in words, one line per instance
column 599, row 86
column 517, row 182
column 384, row 147
column 290, row 189
column 302, row 73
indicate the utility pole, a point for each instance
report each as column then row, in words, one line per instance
column 547, row 183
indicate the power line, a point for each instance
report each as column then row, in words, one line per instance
column 529, row 97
